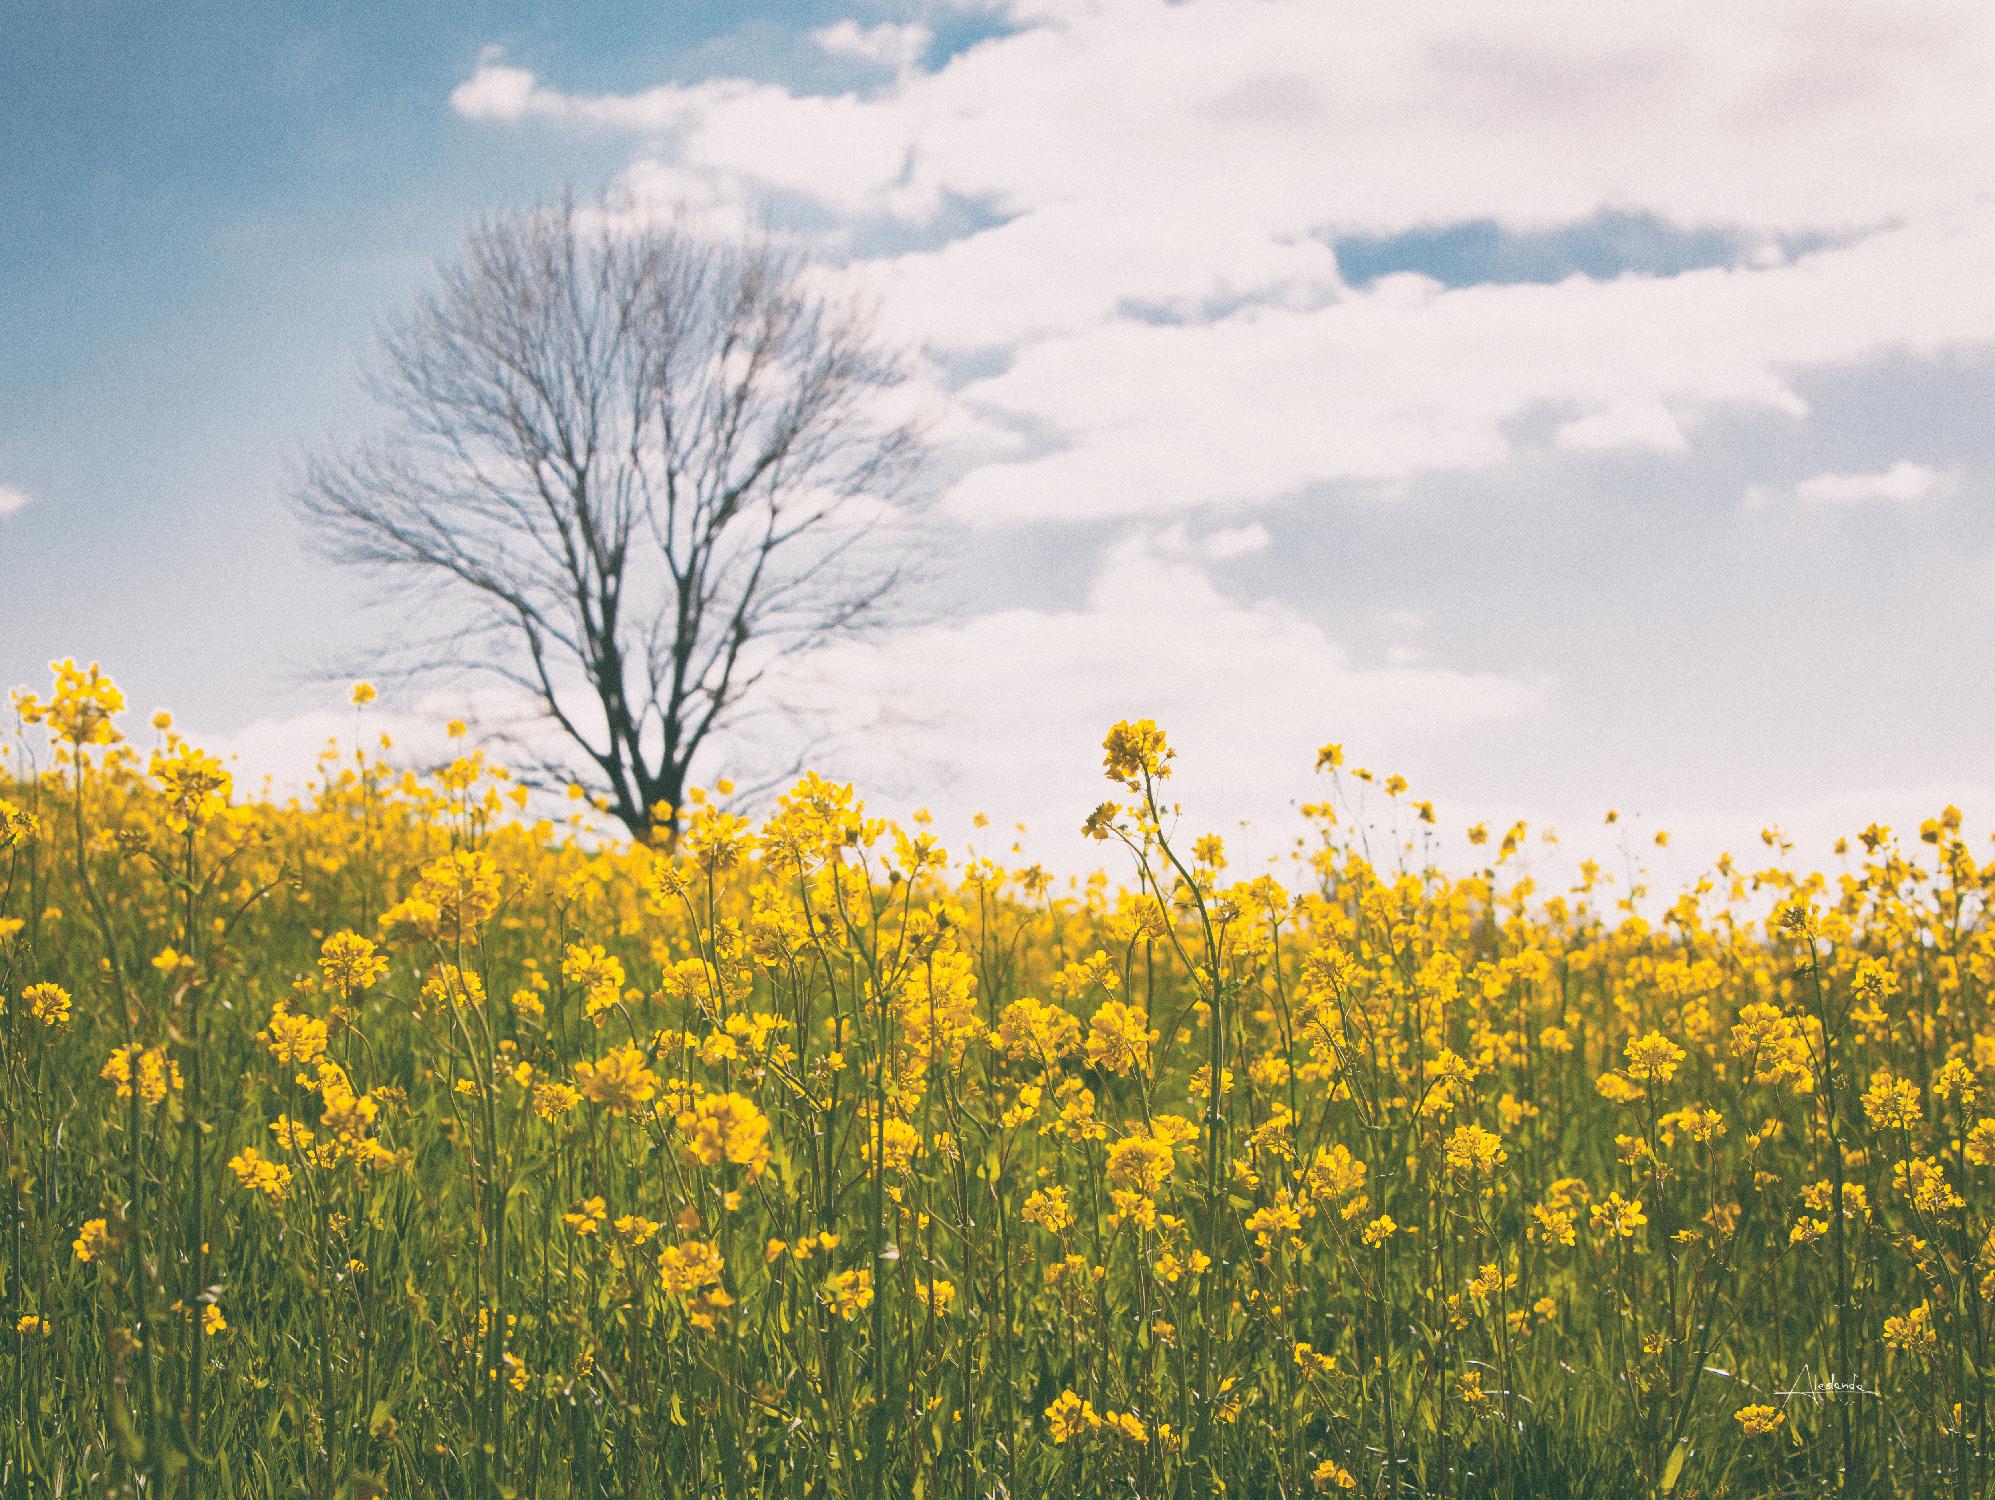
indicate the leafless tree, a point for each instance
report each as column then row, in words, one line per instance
column 634, row 472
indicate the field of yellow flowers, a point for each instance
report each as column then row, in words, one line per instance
column 389, row 1142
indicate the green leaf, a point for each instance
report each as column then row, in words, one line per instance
column 1674, row 1468
column 130, row 1446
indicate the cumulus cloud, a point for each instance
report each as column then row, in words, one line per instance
column 1298, row 114
column 498, row 92
column 1633, row 424
column 1903, row 483
column 11, row 499
column 1414, row 378
column 1221, row 545
column 1159, row 189
column 1005, row 711
column 506, row 94
column 1119, row 230
column 889, row 45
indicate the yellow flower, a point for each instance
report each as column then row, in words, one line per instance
column 635, row 1229
column 293, row 1039
column 689, row 1265
column 449, row 987
column 1772, row 1042
column 363, row 693
column 691, row 1270
column 92, row 1240
column 599, row 975
column 1699, row 1124
column 1619, row 1216
column 1980, row 1146
column 553, row 1100
column 259, row 1174
column 1070, row 1417
column 726, row 1127
column 1136, row 751
column 1795, row 917
column 1913, row 1333
column 849, row 1292
column 83, row 705
column 1758, row 1420
column 619, row 1080
column 47, row 1003
column 1553, row 1225
column 1471, row 1149
column 1379, row 1231
column 350, row 964
column 1029, row 1028
column 1278, row 1219
column 1331, row 1475
column 157, row 1073
column 1140, row 1163
column 1892, row 1103
column 197, row 786
column 1653, row 1059
column 1049, row 1209
column 1126, row 1424
column 18, row 827
column 454, row 896
column 1923, row 1180
column 1336, row 1174
column 212, row 1321
column 1119, row 1038
column 1308, row 1360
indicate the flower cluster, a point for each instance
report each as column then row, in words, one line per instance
column 805, row 1157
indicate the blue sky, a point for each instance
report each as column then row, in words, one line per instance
column 1565, row 415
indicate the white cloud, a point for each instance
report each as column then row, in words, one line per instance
column 1632, row 424
column 1222, row 545
column 1005, row 711
column 11, row 499
column 1904, row 483
column 889, row 45
column 653, row 191
column 1386, row 384
column 1112, row 227
column 283, row 751
column 1230, row 542
column 1296, row 113
column 499, row 92
column 1166, row 180
column 1284, row 117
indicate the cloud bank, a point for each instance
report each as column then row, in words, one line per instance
column 1175, row 265
column 1159, row 190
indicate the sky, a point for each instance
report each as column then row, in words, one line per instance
column 1566, row 406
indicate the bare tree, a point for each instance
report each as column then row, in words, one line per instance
column 639, row 470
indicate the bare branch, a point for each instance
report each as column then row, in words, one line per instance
column 626, row 465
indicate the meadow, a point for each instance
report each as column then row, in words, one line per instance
column 391, row 1140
